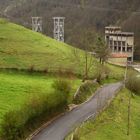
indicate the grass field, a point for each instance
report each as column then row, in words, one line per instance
column 112, row 124
column 16, row 88
column 22, row 48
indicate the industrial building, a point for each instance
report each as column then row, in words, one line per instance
column 121, row 45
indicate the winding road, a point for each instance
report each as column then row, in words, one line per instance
column 62, row 126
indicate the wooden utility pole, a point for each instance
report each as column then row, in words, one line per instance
column 129, row 113
column 125, row 74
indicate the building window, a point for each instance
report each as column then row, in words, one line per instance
column 119, row 43
column 115, row 43
column 123, row 49
column 111, row 42
column 119, row 49
column 115, row 48
column 129, row 49
column 123, row 43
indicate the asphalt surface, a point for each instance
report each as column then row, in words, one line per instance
column 62, row 126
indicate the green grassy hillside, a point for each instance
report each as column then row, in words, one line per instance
column 112, row 123
column 24, row 49
column 16, row 88
column 21, row 48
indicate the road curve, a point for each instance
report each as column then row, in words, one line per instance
column 62, row 126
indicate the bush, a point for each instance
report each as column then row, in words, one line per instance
column 16, row 123
column 62, row 88
column 31, row 69
column 12, row 125
column 62, row 85
column 85, row 91
column 102, row 73
column 133, row 82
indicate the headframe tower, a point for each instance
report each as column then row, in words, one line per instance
column 37, row 24
column 59, row 28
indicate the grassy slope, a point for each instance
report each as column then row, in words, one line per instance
column 112, row 124
column 21, row 48
column 15, row 88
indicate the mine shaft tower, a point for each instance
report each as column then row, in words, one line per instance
column 37, row 24
column 59, row 28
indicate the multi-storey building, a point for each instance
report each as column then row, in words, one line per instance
column 120, row 43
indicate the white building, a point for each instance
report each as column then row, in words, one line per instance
column 121, row 43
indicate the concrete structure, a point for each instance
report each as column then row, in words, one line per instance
column 118, row 59
column 37, row 24
column 59, row 28
column 120, row 43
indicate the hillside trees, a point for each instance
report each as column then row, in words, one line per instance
column 102, row 50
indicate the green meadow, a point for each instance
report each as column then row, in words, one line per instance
column 22, row 48
column 16, row 88
column 30, row 63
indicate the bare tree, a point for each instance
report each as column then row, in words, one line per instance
column 85, row 41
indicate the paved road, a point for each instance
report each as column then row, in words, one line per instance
column 61, row 127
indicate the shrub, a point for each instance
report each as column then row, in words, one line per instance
column 102, row 73
column 12, row 125
column 31, row 68
column 85, row 91
column 62, row 88
column 133, row 82
column 16, row 123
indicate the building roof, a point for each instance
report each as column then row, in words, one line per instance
column 58, row 17
column 119, row 55
column 121, row 34
column 112, row 27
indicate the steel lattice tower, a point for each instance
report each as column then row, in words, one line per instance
column 59, row 28
column 37, row 24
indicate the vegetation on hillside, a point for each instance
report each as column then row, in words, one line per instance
column 97, row 15
column 37, row 61
column 26, row 96
column 86, row 90
column 23, row 49
column 133, row 82
column 112, row 123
